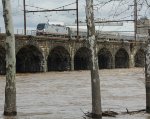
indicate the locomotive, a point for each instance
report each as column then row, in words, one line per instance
column 58, row 29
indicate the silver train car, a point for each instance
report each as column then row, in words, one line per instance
column 58, row 30
column 51, row 29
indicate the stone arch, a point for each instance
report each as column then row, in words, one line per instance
column 82, row 59
column 59, row 59
column 28, row 59
column 18, row 48
column 105, row 59
column 122, row 59
column 139, row 58
column 2, row 60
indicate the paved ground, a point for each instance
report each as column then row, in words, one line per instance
column 62, row 95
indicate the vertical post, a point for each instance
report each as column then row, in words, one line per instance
column 95, row 81
column 135, row 19
column 10, row 88
column 147, row 76
column 77, row 15
column 24, row 6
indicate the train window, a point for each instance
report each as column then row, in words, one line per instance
column 40, row 26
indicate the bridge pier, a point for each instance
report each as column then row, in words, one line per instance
column 113, row 62
column 72, row 63
column 44, row 65
column 72, row 60
column 131, row 61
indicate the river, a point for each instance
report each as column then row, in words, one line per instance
column 66, row 95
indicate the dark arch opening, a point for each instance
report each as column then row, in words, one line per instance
column 28, row 59
column 82, row 59
column 104, row 59
column 2, row 61
column 139, row 58
column 121, row 59
column 59, row 59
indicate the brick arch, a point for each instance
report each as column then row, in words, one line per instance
column 82, row 59
column 59, row 59
column 2, row 60
column 139, row 58
column 28, row 59
column 105, row 59
column 121, row 59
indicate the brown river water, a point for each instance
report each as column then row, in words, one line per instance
column 66, row 95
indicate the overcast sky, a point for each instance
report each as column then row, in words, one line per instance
column 115, row 10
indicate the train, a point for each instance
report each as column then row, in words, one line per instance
column 58, row 29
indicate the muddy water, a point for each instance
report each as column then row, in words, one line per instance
column 64, row 95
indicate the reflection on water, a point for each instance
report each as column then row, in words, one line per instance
column 62, row 95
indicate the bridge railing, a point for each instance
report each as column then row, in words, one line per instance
column 106, row 36
column 28, row 32
column 20, row 31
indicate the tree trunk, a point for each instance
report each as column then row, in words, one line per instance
column 10, row 89
column 95, row 81
column 147, row 77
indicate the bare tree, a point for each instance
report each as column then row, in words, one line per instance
column 95, row 81
column 10, row 89
column 147, row 77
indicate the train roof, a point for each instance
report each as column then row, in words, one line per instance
column 56, row 23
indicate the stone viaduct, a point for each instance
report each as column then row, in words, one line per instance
column 41, row 54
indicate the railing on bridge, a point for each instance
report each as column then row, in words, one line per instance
column 20, row 31
column 28, row 32
column 109, row 36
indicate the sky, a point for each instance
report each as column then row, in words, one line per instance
column 103, row 9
